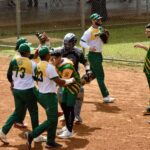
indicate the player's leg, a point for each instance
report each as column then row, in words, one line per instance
column 78, row 105
column 97, row 68
column 49, row 103
column 59, row 96
column 19, row 105
column 68, row 102
column 31, row 103
column 147, row 111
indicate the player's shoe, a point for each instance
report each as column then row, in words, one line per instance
column 62, row 118
column 147, row 111
column 108, row 99
column 78, row 119
column 3, row 137
column 20, row 125
column 53, row 145
column 40, row 138
column 61, row 130
column 29, row 140
column 66, row 134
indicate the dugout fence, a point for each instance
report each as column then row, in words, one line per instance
column 61, row 16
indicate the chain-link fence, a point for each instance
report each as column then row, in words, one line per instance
column 61, row 16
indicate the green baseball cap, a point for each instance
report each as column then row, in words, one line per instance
column 24, row 48
column 95, row 16
column 21, row 41
column 43, row 51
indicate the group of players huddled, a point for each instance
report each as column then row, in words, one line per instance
column 49, row 75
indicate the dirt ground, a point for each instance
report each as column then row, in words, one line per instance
column 117, row 126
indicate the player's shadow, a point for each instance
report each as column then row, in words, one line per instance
column 105, row 107
column 79, row 141
column 18, row 147
column 36, row 146
column 75, row 143
column 84, row 130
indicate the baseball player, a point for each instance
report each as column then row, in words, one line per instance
column 147, row 61
column 19, row 123
column 19, row 75
column 76, row 55
column 66, row 70
column 92, row 41
column 47, row 78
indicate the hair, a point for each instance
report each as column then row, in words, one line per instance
column 23, row 53
column 42, row 57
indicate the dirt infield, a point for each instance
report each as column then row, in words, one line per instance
column 117, row 126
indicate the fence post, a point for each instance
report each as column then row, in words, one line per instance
column 147, row 10
column 82, row 10
column 18, row 18
column 138, row 7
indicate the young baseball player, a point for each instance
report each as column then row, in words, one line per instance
column 66, row 70
column 47, row 78
column 20, row 75
column 92, row 41
column 147, row 62
column 19, row 123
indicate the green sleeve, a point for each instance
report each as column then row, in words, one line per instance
column 12, row 66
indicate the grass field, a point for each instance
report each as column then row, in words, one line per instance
column 120, row 46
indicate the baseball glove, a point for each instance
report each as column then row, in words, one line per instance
column 104, row 36
column 87, row 78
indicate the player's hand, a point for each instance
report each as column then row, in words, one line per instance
column 11, row 86
column 93, row 49
column 138, row 45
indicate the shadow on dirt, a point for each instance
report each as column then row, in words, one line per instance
column 105, row 107
column 84, row 130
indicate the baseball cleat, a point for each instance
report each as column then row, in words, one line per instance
column 78, row 120
column 53, row 145
column 147, row 111
column 40, row 139
column 3, row 137
column 61, row 130
column 20, row 125
column 29, row 140
column 62, row 118
column 108, row 99
column 65, row 134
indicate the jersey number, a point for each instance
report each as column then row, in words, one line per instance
column 39, row 76
column 22, row 71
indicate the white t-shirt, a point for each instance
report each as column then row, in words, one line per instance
column 90, row 40
column 46, row 72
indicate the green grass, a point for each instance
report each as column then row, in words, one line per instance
column 120, row 46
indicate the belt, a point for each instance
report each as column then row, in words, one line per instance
column 95, row 52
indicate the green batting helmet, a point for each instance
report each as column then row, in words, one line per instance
column 24, row 48
column 19, row 42
column 43, row 51
column 95, row 16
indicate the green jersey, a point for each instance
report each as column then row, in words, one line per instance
column 66, row 71
column 147, row 63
